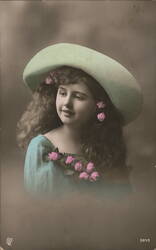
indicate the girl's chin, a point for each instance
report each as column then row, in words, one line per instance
column 70, row 122
column 66, row 120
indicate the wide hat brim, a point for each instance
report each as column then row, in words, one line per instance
column 117, row 81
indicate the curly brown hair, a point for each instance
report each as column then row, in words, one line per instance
column 102, row 142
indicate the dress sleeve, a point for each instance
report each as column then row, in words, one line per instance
column 40, row 174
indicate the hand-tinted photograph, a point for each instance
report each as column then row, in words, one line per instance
column 78, row 160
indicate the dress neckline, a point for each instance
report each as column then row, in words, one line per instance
column 51, row 143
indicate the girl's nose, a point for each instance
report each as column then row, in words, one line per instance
column 68, row 100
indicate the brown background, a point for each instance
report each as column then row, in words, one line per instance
column 125, row 31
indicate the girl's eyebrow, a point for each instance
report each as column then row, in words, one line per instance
column 77, row 92
column 60, row 87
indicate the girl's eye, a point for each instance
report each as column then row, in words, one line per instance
column 61, row 92
column 79, row 97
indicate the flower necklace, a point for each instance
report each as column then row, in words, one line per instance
column 84, row 170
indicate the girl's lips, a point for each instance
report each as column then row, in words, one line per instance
column 68, row 112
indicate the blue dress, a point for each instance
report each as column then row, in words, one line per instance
column 75, row 210
column 43, row 176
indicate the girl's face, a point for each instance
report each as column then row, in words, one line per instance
column 75, row 104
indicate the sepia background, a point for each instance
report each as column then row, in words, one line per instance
column 125, row 31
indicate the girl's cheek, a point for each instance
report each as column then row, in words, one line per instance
column 58, row 101
column 87, row 110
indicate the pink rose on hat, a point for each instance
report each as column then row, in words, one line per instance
column 48, row 80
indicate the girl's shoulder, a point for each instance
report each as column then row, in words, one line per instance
column 41, row 141
column 51, row 136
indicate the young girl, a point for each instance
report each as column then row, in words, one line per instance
column 73, row 125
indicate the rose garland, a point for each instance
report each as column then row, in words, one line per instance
column 85, row 170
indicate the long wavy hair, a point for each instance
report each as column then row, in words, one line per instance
column 102, row 142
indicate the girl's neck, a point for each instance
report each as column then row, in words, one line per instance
column 66, row 139
column 71, row 133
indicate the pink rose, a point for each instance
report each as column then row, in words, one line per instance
column 53, row 156
column 90, row 167
column 101, row 104
column 69, row 159
column 84, row 176
column 78, row 166
column 94, row 176
column 101, row 116
column 48, row 80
